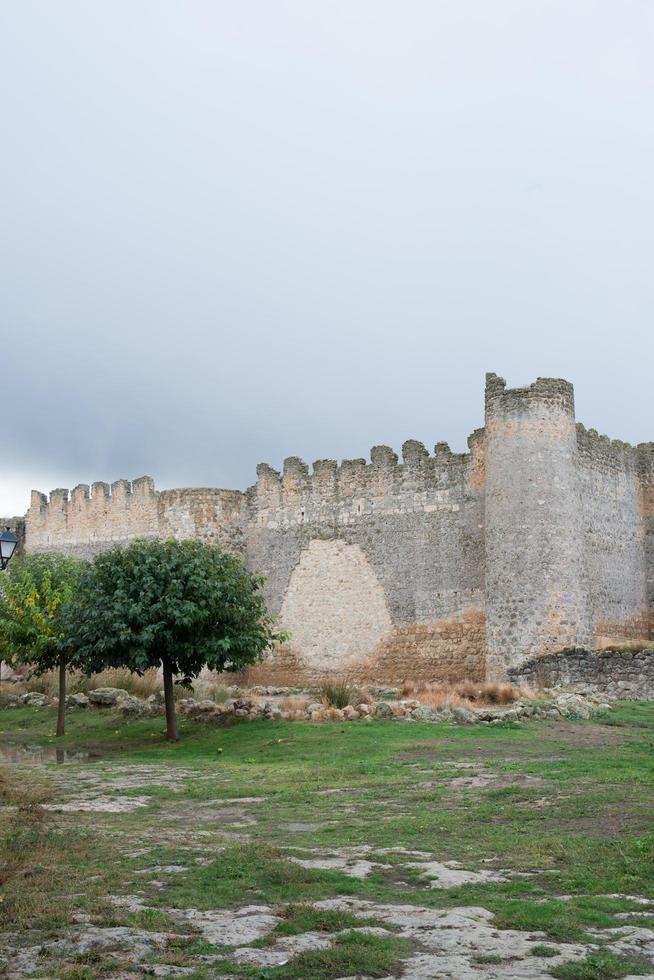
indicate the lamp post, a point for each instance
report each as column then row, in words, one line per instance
column 8, row 542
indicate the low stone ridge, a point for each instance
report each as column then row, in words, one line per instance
column 249, row 706
column 621, row 673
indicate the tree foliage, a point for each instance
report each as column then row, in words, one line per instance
column 181, row 604
column 33, row 594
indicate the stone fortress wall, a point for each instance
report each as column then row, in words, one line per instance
column 440, row 567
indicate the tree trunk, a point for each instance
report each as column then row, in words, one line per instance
column 169, row 696
column 61, row 711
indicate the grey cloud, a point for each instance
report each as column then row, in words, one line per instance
column 237, row 232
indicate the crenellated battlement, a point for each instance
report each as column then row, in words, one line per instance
column 89, row 518
column 83, row 495
column 554, row 392
column 600, row 450
column 415, row 457
column 357, row 488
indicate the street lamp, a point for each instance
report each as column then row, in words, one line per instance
column 8, row 542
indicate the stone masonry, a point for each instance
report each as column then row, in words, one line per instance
column 441, row 567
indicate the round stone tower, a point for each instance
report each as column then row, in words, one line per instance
column 536, row 589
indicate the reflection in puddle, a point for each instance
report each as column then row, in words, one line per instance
column 37, row 754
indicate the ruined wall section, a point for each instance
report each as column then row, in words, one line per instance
column 91, row 519
column 417, row 526
column 613, row 494
column 536, row 580
column 624, row 674
column 645, row 463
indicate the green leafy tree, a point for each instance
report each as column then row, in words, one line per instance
column 178, row 604
column 33, row 594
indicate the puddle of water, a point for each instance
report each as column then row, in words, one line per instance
column 38, row 754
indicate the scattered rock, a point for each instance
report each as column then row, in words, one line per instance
column 106, row 697
column 33, row 699
column 100, row 804
column 165, row 970
column 77, row 700
column 464, row 716
column 231, row 927
column 131, row 707
column 424, row 713
column 346, row 862
column 451, row 875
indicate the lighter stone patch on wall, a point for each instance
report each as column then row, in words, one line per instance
column 334, row 607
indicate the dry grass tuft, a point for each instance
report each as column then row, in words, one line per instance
column 338, row 694
column 435, row 697
column 27, row 792
column 328, row 713
column 141, row 687
column 296, row 707
column 39, row 861
column 208, row 688
column 629, row 646
column 462, row 694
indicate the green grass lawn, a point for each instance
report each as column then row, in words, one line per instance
column 563, row 810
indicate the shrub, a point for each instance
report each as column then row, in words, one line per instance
column 35, row 594
column 338, row 694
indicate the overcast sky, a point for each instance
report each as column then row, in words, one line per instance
column 236, row 231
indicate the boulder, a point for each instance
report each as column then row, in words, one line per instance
column 574, row 706
column 424, row 713
column 79, row 700
column 314, row 706
column 463, row 716
column 384, row 710
column 350, row 713
column 363, row 708
column 131, row 707
column 498, row 714
column 107, row 697
column 33, row 699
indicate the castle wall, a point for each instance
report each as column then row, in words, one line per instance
column 645, row 454
column 536, row 580
column 614, row 538
column 402, row 543
column 440, row 567
column 91, row 519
